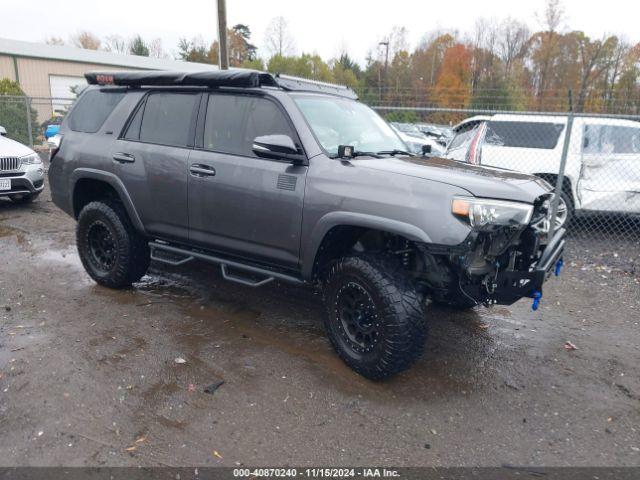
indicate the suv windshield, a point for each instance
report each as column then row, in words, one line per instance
column 338, row 121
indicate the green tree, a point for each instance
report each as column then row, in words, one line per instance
column 13, row 112
column 137, row 46
column 195, row 50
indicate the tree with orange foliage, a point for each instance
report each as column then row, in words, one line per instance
column 452, row 87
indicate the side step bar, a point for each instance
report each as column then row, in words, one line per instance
column 175, row 256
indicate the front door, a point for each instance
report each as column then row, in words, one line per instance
column 240, row 203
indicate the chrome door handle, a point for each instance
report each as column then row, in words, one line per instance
column 124, row 157
column 199, row 170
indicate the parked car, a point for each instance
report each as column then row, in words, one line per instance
column 440, row 133
column 21, row 171
column 602, row 172
column 278, row 178
column 416, row 142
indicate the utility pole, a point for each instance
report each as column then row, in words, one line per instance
column 223, row 52
column 386, row 63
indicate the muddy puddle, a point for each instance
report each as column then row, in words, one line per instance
column 462, row 355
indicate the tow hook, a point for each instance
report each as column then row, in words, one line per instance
column 537, row 296
column 559, row 265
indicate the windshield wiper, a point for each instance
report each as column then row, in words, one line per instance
column 395, row 152
column 358, row 153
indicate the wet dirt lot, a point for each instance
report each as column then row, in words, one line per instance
column 88, row 375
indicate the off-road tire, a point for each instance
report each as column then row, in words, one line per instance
column 24, row 198
column 398, row 307
column 130, row 252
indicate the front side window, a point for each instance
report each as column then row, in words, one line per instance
column 338, row 121
column 543, row 135
column 167, row 118
column 464, row 136
column 233, row 121
column 92, row 110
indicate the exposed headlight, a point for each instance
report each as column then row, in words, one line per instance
column 484, row 214
column 31, row 159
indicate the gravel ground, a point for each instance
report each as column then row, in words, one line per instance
column 88, row 376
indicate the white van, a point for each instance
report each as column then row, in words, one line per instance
column 602, row 174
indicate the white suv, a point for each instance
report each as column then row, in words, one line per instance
column 21, row 171
column 602, row 173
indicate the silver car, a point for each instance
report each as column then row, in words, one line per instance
column 21, row 171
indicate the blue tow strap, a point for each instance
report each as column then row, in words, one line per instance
column 559, row 265
column 537, row 296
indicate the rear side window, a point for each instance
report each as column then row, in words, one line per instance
column 167, row 119
column 523, row 134
column 234, row 121
column 92, row 110
column 610, row 139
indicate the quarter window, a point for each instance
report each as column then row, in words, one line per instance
column 92, row 110
column 167, row 119
column 234, row 121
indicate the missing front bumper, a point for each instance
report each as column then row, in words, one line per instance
column 510, row 286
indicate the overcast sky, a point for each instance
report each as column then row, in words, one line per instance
column 327, row 27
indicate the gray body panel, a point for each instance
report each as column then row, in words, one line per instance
column 271, row 211
column 251, row 207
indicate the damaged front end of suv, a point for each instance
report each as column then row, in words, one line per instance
column 508, row 255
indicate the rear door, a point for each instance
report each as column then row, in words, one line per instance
column 243, row 204
column 151, row 159
column 610, row 175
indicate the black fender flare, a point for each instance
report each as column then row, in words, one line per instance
column 112, row 180
column 351, row 219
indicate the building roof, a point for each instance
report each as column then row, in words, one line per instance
column 19, row 48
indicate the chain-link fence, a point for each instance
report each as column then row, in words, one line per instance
column 592, row 160
column 26, row 119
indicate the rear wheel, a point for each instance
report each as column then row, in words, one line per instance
column 113, row 253
column 373, row 315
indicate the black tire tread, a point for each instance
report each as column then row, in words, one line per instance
column 401, row 307
column 134, row 256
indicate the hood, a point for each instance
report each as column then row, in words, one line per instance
column 487, row 182
column 11, row 148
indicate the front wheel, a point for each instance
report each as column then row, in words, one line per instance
column 113, row 253
column 373, row 315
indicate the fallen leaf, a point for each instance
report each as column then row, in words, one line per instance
column 180, row 360
column 141, row 439
column 131, row 448
column 569, row 346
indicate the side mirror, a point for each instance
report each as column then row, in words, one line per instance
column 3, row 132
column 277, row 147
column 426, row 149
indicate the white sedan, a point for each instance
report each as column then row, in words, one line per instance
column 21, row 171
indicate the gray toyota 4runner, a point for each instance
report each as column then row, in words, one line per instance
column 278, row 178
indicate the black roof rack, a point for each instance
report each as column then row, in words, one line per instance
column 212, row 78
column 216, row 78
column 302, row 84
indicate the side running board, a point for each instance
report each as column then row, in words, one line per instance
column 162, row 252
